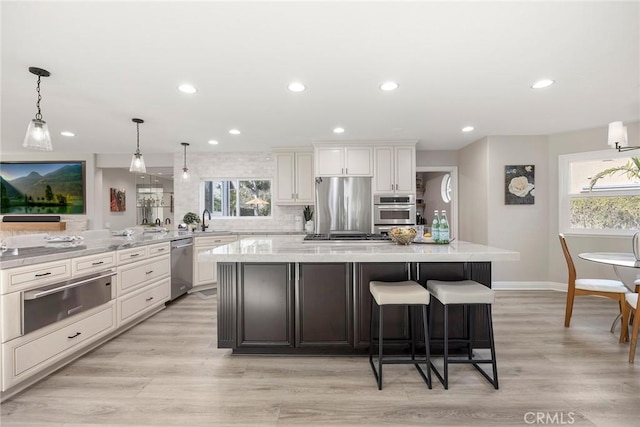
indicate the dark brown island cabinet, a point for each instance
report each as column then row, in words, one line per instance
column 324, row 308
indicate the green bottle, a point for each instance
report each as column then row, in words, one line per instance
column 435, row 227
column 444, row 228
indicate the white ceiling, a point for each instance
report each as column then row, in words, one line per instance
column 457, row 64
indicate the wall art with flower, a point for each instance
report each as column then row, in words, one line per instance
column 519, row 185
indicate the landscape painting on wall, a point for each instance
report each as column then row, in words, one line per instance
column 49, row 188
column 519, row 185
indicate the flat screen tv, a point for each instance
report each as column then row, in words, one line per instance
column 49, row 188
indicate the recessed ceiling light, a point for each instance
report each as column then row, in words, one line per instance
column 187, row 88
column 234, row 132
column 542, row 83
column 67, row 133
column 213, row 142
column 296, row 87
column 338, row 130
column 467, row 129
column 388, row 86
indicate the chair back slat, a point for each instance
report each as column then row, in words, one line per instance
column 567, row 257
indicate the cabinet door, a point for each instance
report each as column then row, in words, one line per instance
column 383, row 172
column 324, row 314
column 204, row 272
column 329, row 161
column 285, row 177
column 358, row 161
column 305, row 178
column 265, row 305
column 405, row 169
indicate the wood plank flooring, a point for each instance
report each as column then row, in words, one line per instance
column 167, row 371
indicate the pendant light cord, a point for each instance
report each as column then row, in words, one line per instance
column 185, row 158
column 137, row 138
column 38, row 114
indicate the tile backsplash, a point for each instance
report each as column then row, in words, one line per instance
column 230, row 165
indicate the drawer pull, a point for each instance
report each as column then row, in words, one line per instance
column 43, row 274
column 149, row 299
column 97, row 263
column 149, row 272
column 134, row 255
column 74, row 309
column 73, row 336
column 161, row 249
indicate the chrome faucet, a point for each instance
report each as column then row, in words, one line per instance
column 158, row 222
column 167, row 220
column 204, row 227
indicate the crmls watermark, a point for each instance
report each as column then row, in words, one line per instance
column 549, row 418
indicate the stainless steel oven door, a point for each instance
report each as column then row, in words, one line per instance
column 394, row 214
column 50, row 304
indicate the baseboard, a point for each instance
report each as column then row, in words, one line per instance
column 529, row 286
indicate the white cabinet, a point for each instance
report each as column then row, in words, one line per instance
column 135, row 275
column 294, row 178
column 82, row 266
column 31, row 276
column 206, row 273
column 34, row 352
column 335, row 160
column 143, row 300
column 395, row 169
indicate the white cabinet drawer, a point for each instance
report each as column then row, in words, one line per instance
column 143, row 300
column 25, row 356
column 131, row 255
column 134, row 275
column 159, row 249
column 14, row 279
column 92, row 263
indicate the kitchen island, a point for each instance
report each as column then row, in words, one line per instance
column 284, row 295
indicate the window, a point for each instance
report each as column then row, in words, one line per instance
column 238, row 197
column 445, row 188
column 599, row 193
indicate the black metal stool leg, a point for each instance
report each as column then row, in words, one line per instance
column 411, row 332
column 380, row 345
column 426, row 344
column 469, row 308
column 372, row 338
column 493, row 347
column 446, row 347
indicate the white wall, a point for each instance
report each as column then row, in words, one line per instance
column 203, row 166
column 521, row 228
column 473, row 192
column 122, row 179
column 437, row 158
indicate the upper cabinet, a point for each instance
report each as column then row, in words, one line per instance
column 394, row 169
column 341, row 160
column 294, row 177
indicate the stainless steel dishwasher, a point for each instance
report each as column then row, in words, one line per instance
column 181, row 266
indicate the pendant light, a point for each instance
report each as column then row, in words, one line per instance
column 137, row 161
column 185, row 176
column 38, row 137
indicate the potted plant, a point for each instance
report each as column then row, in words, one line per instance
column 191, row 219
column 308, row 215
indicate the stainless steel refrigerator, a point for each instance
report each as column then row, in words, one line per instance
column 343, row 203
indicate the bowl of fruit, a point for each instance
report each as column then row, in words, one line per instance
column 403, row 235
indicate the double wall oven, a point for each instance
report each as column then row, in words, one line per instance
column 392, row 210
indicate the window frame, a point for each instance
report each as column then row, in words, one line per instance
column 564, row 197
column 237, row 182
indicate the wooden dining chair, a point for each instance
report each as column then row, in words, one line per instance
column 613, row 289
column 632, row 308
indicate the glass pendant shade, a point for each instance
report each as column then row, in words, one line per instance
column 137, row 163
column 37, row 136
column 185, row 176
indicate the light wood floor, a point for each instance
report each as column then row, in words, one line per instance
column 168, row 371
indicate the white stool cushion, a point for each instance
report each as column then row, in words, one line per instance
column 460, row 292
column 407, row 292
column 632, row 299
column 601, row 285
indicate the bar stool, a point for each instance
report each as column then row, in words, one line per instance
column 407, row 293
column 468, row 293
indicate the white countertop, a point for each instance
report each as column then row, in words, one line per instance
column 292, row 249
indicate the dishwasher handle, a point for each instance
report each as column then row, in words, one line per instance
column 182, row 246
